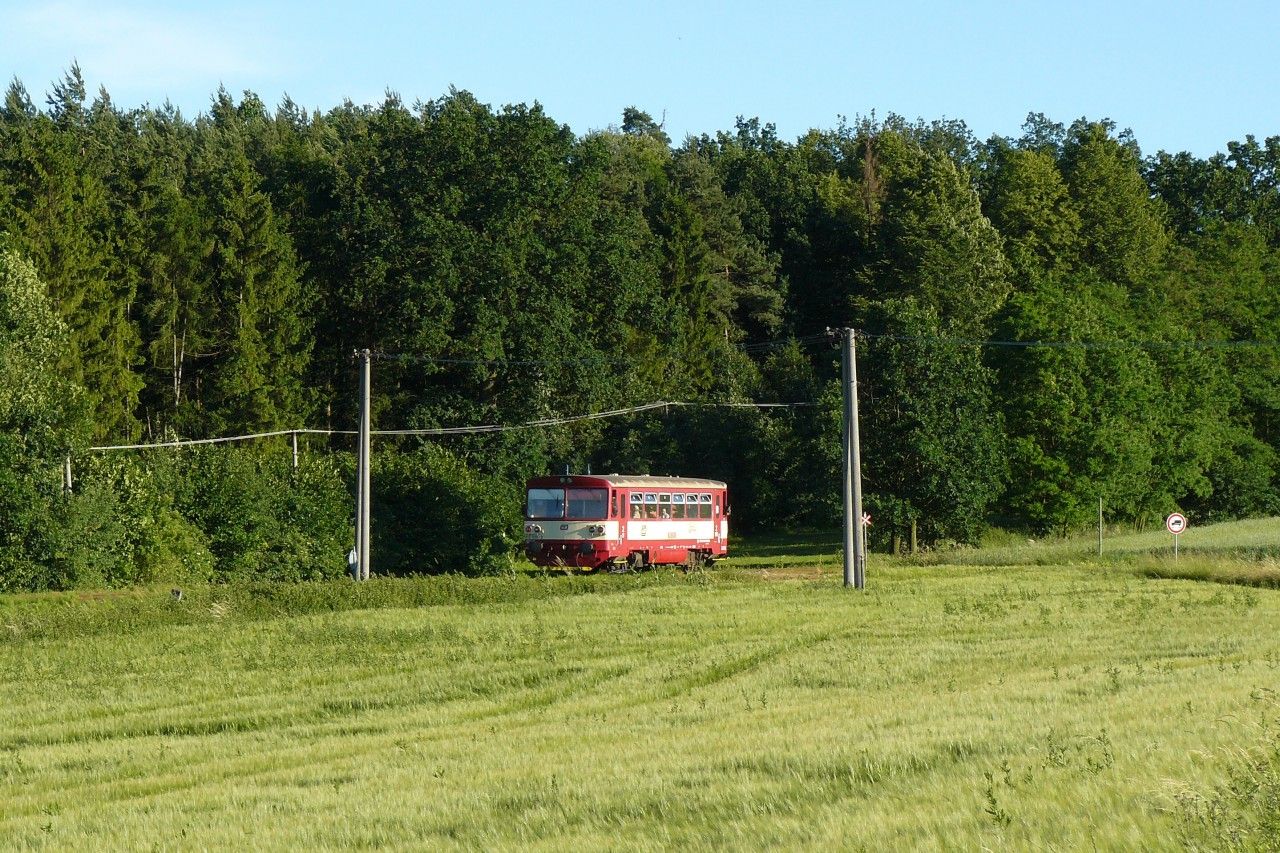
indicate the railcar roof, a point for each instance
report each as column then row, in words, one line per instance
column 646, row 481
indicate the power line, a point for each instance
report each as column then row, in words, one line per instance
column 1038, row 344
column 186, row 442
column 463, row 430
column 546, row 422
column 779, row 343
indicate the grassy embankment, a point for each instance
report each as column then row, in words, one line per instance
column 1061, row 705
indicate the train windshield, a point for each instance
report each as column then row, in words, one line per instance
column 546, row 503
column 588, row 503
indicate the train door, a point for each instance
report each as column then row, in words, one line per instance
column 715, row 516
column 722, row 517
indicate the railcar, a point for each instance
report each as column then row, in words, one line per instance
column 616, row 521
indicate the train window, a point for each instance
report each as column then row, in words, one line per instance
column 545, row 503
column 677, row 506
column 588, row 503
column 664, row 506
column 613, row 505
column 636, row 511
column 704, row 505
column 650, row 505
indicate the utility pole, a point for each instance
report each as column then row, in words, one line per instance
column 363, row 480
column 855, row 553
column 294, row 436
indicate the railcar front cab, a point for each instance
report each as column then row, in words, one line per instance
column 587, row 522
column 567, row 523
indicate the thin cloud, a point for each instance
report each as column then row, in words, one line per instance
column 153, row 52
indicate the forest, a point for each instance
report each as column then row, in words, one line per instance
column 1045, row 322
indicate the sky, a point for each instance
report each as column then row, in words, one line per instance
column 1183, row 76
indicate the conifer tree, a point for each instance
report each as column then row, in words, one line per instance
column 58, row 216
column 251, row 348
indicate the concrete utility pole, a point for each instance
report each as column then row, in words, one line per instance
column 855, row 552
column 364, row 499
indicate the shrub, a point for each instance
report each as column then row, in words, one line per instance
column 434, row 514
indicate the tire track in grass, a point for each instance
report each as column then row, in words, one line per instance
column 214, row 696
column 560, row 692
column 325, row 713
column 328, row 748
column 716, row 672
column 721, row 671
column 289, row 758
column 244, row 712
column 31, row 721
column 229, row 713
column 338, row 746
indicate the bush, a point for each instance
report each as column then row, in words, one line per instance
column 433, row 514
column 1243, row 477
column 27, row 523
column 262, row 518
column 121, row 526
column 42, row 413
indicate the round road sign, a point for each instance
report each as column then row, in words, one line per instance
column 1175, row 523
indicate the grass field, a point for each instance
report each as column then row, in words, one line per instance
column 1050, row 704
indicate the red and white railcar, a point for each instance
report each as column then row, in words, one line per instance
column 613, row 520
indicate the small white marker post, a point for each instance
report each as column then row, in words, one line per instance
column 1175, row 524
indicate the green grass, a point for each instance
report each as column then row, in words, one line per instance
column 1254, row 539
column 959, row 706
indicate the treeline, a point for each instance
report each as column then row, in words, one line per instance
column 1048, row 320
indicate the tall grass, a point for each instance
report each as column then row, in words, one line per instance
column 1250, row 540
column 116, row 611
column 958, row 707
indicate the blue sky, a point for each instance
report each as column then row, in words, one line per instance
column 1182, row 75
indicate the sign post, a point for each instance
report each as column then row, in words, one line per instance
column 1175, row 524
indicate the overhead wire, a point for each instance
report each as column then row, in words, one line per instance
column 187, row 442
column 1038, row 344
column 752, row 348
column 446, row 431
